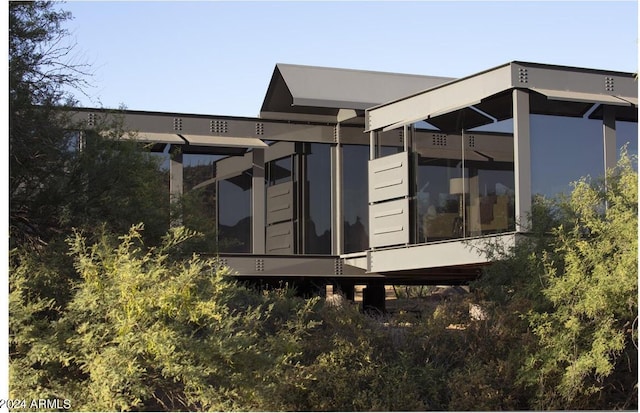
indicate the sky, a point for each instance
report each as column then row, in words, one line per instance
column 217, row 58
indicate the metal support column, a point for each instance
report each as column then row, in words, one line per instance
column 373, row 299
column 175, row 180
column 258, row 207
column 609, row 137
column 346, row 288
column 522, row 158
column 337, row 243
column 373, row 143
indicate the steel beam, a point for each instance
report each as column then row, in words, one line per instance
column 258, row 203
column 176, row 170
column 522, row 158
column 221, row 126
column 470, row 251
column 441, row 99
column 290, row 265
column 609, row 137
column 337, row 217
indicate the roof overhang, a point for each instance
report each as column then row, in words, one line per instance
column 322, row 94
column 485, row 97
column 195, row 144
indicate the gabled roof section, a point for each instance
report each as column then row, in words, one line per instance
column 318, row 93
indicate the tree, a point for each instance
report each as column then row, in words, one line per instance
column 60, row 177
column 564, row 302
column 151, row 329
column 39, row 72
column 588, row 340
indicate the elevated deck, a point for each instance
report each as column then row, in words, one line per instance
column 446, row 262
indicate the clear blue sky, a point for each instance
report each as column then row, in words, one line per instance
column 218, row 57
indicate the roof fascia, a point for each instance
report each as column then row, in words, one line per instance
column 472, row 89
column 440, row 99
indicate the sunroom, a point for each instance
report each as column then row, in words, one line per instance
column 476, row 151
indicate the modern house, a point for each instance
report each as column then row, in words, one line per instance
column 357, row 177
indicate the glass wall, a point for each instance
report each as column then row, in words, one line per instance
column 279, row 171
column 390, row 142
column 198, row 204
column 355, row 205
column 318, row 199
column 439, row 215
column 234, row 213
column 465, row 184
column 563, row 150
column 627, row 134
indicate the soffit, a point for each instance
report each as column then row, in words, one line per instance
column 623, row 113
column 220, row 145
column 224, row 141
column 151, row 137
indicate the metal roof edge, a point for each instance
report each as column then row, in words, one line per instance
column 442, row 85
column 511, row 63
column 159, row 113
column 574, row 68
column 360, row 70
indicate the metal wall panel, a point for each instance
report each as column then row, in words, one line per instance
column 279, row 238
column 280, row 203
column 389, row 223
column 389, row 177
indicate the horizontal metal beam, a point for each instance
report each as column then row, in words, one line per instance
column 149, row 123
column 454, row 253
column 572, row 84
column 290, row 265
column 441, row 99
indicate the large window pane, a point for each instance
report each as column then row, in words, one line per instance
column 464, row 184
column 438, row 197
column 198, row 206
column 627, row 135
column 355, row 197
column 489, row 192
column 318, row 199
column 234, row 213
column 562, row 151
column 280, row 171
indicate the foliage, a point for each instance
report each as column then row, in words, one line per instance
column 148, row 330
column 140, row 323
column 58, row 178
column 591, row 282
column 567, row 300
column 156, row 328
column 196, row 210
column 37, row 142
column 144, row 331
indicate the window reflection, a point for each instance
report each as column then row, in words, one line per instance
column 234, row 213
column 490, row 202
column 280, row 171
column 438, row 198
column 198, row 204
column 562, row 151
column 318, row 199
column 465, row 185
column 355, row 197
column 627, row 135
